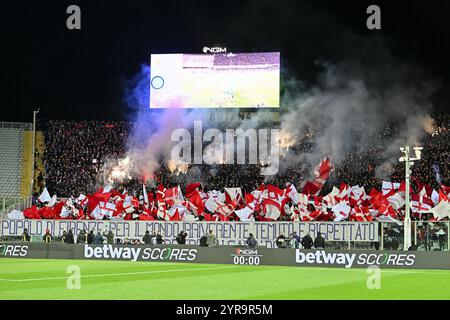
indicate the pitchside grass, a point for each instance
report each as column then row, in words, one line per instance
column 46, row 279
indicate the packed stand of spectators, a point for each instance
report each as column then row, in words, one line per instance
column 75, row 151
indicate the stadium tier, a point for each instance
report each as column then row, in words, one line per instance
column 15, row 166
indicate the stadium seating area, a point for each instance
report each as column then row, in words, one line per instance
column 72, row 146
column 12, row 155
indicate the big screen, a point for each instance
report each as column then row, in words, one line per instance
column 225, row 80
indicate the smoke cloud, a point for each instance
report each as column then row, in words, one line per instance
column 347, row 110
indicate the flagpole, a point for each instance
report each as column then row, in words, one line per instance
column 33, row 150
column 407, row 221
column 407, row 227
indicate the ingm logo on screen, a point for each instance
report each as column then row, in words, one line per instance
column 214, row 50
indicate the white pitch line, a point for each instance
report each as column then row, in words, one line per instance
column 114, row 274
column 401, row 271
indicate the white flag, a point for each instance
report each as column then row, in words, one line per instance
column 45, row 196
column 396, row 201
column 442, row 210
column 145, row 195
column 341, row 211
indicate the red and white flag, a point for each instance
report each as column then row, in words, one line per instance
column 173, row 196
column 341, row 211
column 388, row 188
column 396, row 201
column 271, row 209
column 421, row 203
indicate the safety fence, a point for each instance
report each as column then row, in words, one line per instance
column 8, row 204
column 426, row 236
column 16, row 125
column 234, row 255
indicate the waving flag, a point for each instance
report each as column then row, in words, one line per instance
column 323, row 171
column 195, row 203
column 246, row 214
column 420, row 204
column 272, row 209
column 45, row 196
column 396, row 201
column 82, row 200
column 441, row 211
column 192, row 187
column 388, row 188
column 173, row 196
column 233, row 197
column 341, row 211
column 311, row 188
column 360, row 214
column 291, row 193
column 437, row 171
column 144, row 193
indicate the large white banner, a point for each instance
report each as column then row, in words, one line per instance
column 228, row 233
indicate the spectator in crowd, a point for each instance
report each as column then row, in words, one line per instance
column 307, row 241
column 98, row 238
column 90, row 237
column 110, row 237
column 76, row 152
column 319, row 242
column 181, row 238
column 81, row 238
column 69, row 237
column 204, row 241
column 47, row 236
column 251, row 241
column 25, row 235
column 296, row 239
column 212, row 240
column 280, row 241
column 159, row 238
column 147, row 239
column 64, row 236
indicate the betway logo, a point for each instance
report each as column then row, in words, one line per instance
column 108, row 251
column 13, row 250
column 135, row 253
column 322, row 257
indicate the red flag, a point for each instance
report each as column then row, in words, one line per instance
column 190, row 188
column 445, row 189
column 310, row 188
column 31, row 213
column 420, row 186
column 144, row 216
column 272, row 209
column 442, row 196
column 46, row 213
column 176, row 216
column 195, row 203
column 323, row 171
column 93, row 201
column 171, row 195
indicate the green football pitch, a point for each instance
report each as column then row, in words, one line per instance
column 48, row 279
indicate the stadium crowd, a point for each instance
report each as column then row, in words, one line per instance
column 75, row 152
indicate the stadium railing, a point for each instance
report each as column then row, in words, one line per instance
column 16, row 125
column 8, row 204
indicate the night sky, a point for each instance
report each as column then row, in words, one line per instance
column 81, row 74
